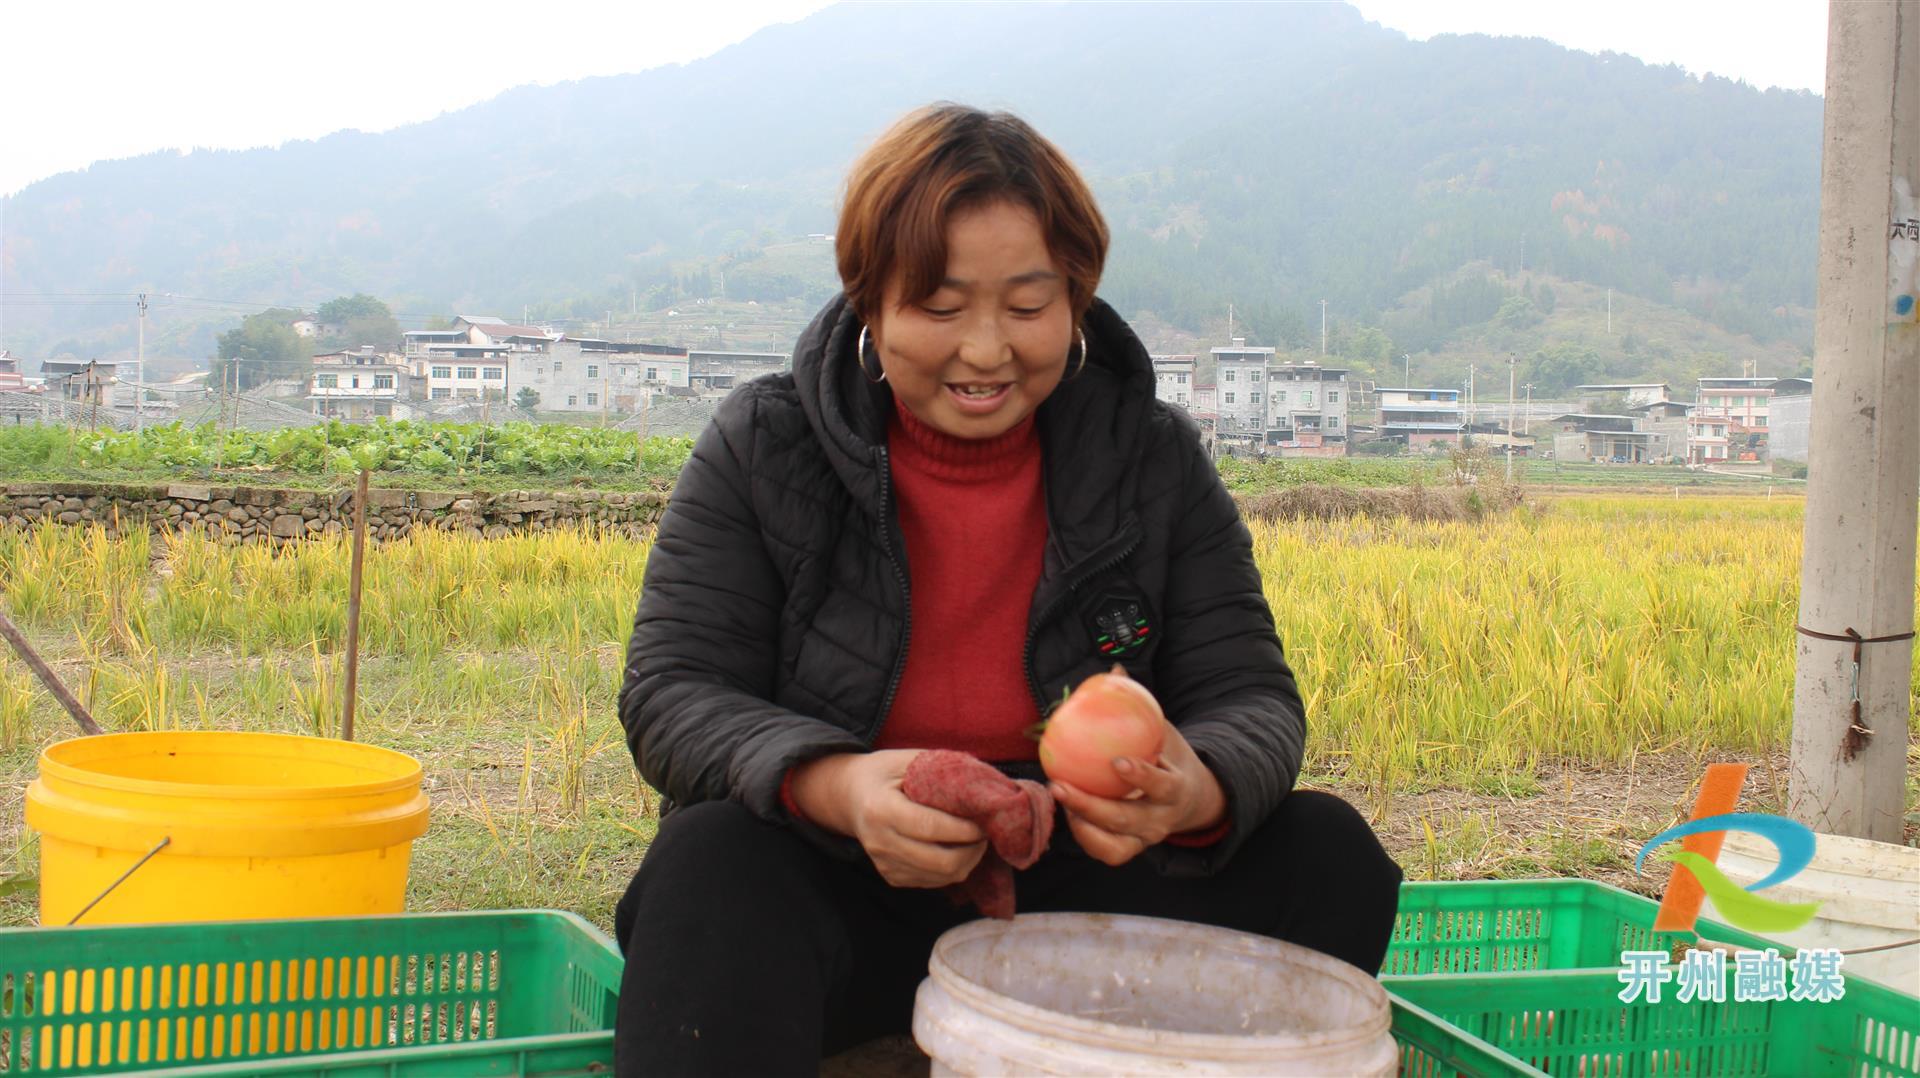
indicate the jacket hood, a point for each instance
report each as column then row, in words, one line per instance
column 1092, row 427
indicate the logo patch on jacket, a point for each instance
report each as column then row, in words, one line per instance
column 1120, row 624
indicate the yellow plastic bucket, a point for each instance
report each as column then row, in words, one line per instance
column 231, row 826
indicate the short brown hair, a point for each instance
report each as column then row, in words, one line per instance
column 945, row 159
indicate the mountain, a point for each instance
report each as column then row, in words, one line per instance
column 1267, row 155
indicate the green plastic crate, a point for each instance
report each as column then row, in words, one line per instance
column 1573, row 1024
column 512, row 993
column 1432, row 1048
column 1491, row 926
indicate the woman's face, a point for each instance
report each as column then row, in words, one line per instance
column 981, row 353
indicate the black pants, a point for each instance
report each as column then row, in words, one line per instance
column 750, row 952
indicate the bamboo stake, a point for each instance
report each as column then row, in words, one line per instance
column 47, row 677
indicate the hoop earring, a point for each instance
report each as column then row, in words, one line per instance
column 860, row 357
column 1082, row 365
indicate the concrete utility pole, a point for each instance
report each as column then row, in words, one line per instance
column 1510, row 417
column 1323, row 327
column 140, row 369
column 1851, row 694
column 1527, row 419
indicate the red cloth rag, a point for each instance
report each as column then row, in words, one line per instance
column 1016, row 815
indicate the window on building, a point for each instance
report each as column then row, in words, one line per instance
column 1180, row 379
column 326, row 381
column 383, row 381
column 1759, row 421
column 443, row 372
column 1180, row 398
column 1306, row 398
column 1254, row 397
column 440, row 393
column 556, row 366
column 593, row 370
column 468, row 373
column 653, row 374
column 1229, row 398
column 572, row 400
column 1333, row 422
column 1333, row 396
column 1228, row 377
column 1280, row 396
column 593, row 399
column 494, row 374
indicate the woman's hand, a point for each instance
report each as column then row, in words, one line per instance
column 859, row 795
column 1176, row 794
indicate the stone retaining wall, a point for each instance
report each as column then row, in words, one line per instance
column 265, row 514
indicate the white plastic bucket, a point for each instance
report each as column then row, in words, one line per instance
column 1869, row 894
column 1084, row 993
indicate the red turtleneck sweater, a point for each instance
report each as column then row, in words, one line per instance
column 974, row 515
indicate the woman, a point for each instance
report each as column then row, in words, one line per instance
column 913, row 541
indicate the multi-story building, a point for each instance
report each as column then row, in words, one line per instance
column 1729, row 421
column 569, row 374
column 1307, row 410
column 468, row 372
column 10, row 376
column 358, row 384
column 1240, row 374
column 641, row 371
column 465, row 362
column 1173, row 379
column 1420, row 417
column 1789, row 419
column 586, row 374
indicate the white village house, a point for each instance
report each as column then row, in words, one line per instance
column 359, row 384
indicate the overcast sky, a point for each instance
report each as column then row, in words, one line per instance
column 89, row 80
